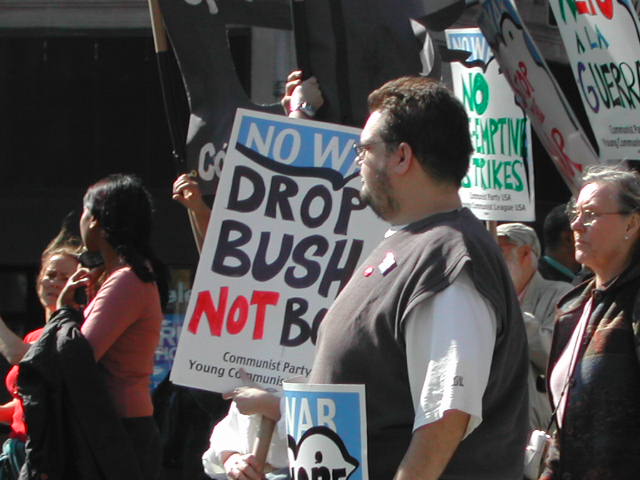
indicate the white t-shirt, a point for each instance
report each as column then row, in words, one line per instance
column 450, row 339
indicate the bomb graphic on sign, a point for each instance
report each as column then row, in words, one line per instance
column 326, row 431
column 320, row 455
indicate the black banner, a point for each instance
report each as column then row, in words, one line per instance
column 353, row 47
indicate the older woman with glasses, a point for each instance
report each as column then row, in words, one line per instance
column 594, row 372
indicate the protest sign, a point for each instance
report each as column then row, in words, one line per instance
column 179, row 292
column 286, row 232
column 499, row 184
column 353, row 47
column 326, row 430
column 536, row 90
column 602, row 40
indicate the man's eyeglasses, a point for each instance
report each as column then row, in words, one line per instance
column 589, row 217
column 360, row 148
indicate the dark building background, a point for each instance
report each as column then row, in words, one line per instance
column 72, row 110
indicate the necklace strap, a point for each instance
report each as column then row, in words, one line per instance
column 558, row 266
column 578, row 351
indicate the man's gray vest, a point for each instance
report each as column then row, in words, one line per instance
column 361, row 341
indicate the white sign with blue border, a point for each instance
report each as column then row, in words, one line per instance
column 326, row 431
column 287, row 230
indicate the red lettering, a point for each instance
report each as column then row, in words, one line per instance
column 584, row 7
column 565, row 163
column 262, row 299
column 522, row 81
column 215, row 316
column 605, row 7
column 238, row 315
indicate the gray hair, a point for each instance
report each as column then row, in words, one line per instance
column 627, row 182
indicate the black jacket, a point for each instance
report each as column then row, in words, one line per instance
column 600, row 435
column 74, row 430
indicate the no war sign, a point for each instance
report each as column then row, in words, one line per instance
column 286, row 232
column 499, row 183
column 326, row 431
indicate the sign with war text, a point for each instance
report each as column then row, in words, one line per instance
column 602, row 40
column 326, row 431
column 286, row 232
column 537, row 91
column 499, row 184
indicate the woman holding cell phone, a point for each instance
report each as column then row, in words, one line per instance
column 123, row 317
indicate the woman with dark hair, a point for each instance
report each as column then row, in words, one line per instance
column 124, row 315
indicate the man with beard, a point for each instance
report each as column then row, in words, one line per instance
column 538, row 300
column 429, row 322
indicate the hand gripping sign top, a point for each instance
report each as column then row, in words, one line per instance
column 353, row 47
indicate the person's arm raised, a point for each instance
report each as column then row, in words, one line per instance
column 302, row 98
column 186, row 191
column 12, row 346
column 6, row 411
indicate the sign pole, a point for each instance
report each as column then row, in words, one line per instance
column 299, row 26
column 492, row 228
column 162, row 52
column 263, row 441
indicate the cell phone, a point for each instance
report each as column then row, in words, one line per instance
column 80, row 296
column 90, row 259
column 87, row 260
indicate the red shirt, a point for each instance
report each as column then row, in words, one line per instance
column 18, row 426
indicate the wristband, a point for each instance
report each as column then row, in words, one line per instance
column 306, row 108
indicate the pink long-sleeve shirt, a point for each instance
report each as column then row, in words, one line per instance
column 122, row 324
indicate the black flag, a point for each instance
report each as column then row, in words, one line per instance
column 353, row 47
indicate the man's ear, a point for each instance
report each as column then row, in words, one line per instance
column 403, row 158
column 525, row 251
